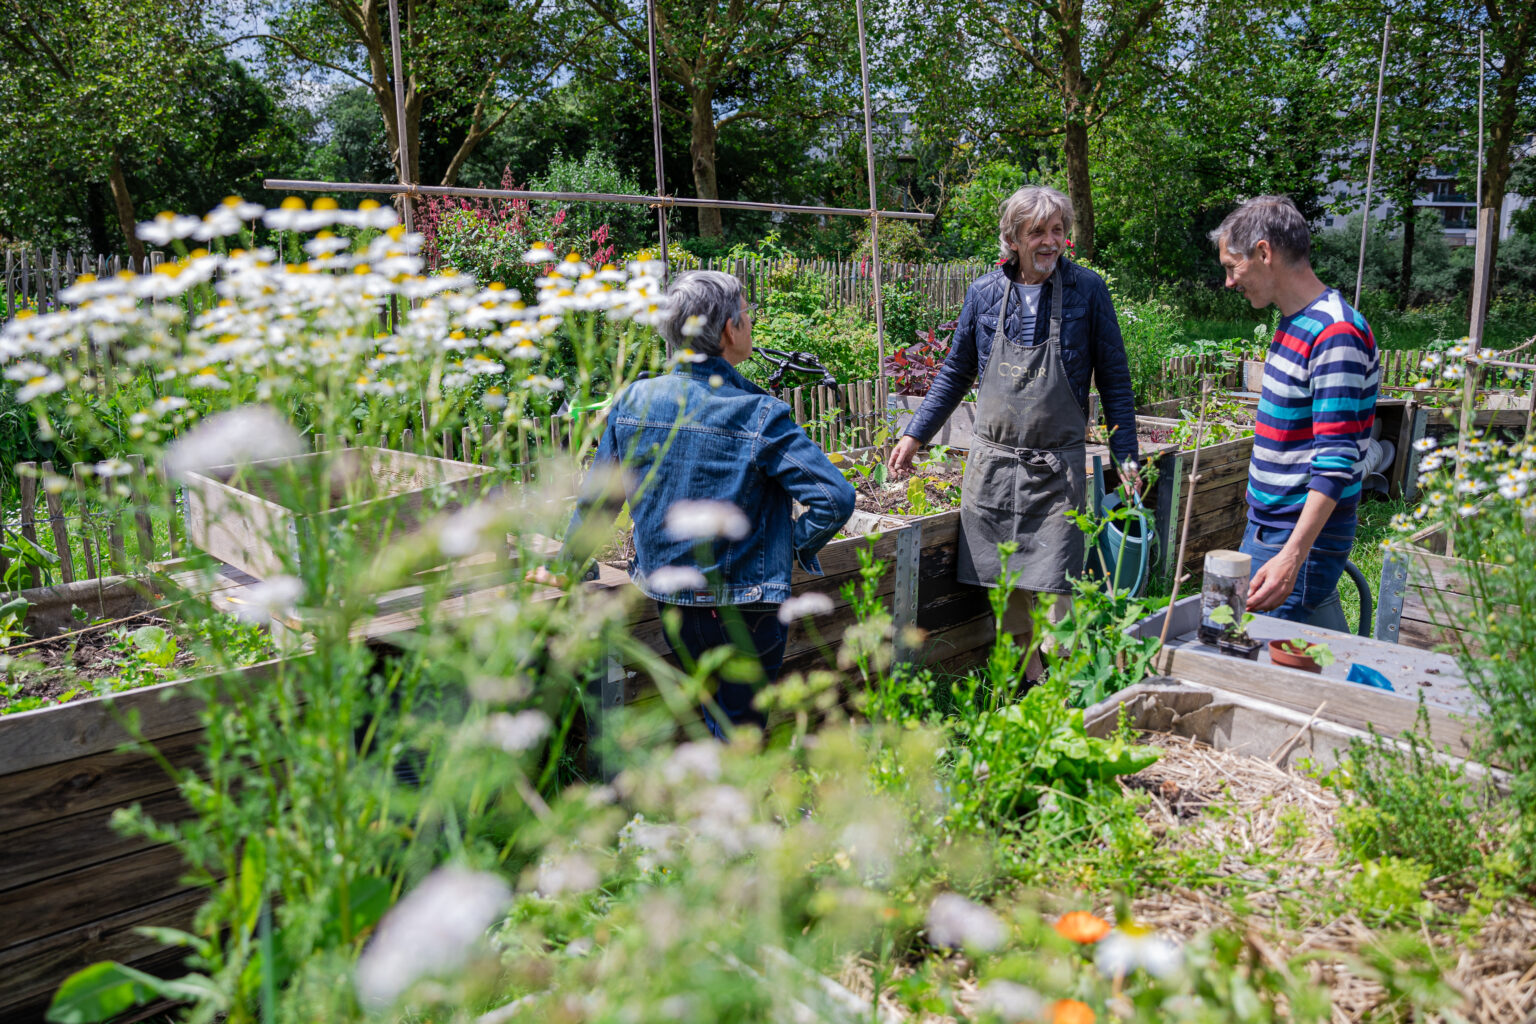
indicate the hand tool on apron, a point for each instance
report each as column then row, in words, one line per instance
column 1027, row 466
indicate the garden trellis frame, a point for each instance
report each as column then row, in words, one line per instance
column 407, row 190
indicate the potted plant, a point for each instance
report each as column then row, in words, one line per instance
column 1302, row 654
column 1235, row 639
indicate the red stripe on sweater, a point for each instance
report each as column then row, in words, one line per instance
column 1270, row 433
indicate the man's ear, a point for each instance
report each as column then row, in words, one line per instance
column 1262, row 252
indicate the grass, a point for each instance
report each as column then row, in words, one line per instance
column 1375, row 527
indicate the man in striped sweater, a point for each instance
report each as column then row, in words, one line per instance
column 1314, row 418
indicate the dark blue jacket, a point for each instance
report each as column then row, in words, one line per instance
column 1090, row 346
column 705, row 432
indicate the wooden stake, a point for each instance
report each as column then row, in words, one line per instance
column 1194, row 480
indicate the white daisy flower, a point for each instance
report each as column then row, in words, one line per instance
column 433, row 930
column 1425, row 444
column 517, row 733
column 540, row 253
column 804, row 606
column 954, row 922
column 1132, row 946
column 706, row 520
column 112, row 467
column 669, row 579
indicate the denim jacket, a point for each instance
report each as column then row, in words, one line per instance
column 705, row 432
column 1090, row 346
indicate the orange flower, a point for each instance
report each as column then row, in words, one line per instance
column 1070, row 1011
column 1081, row 926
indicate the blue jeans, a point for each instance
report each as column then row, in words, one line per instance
column 1315, row 599
column 703, row 629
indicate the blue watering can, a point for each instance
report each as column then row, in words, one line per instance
column 1124, row 548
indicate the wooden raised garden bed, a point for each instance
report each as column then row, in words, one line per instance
column 1327, row 694
column 1423, row 592
column 239, row 517
column 72, row 889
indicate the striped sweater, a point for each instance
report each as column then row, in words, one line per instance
column 1316, row 412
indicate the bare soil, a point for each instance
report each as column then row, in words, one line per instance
column 942, row 487
column 50, row 669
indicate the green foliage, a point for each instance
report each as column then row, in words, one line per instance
column 1410, row 804
column 630, row 227
column 971, row 215
column 797, row 318
column 1390, row 889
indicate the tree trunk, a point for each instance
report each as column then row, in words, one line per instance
column 1506, row 112
column 1410, row 227
column 701, row 146
column 1074, row 90
column 1405, row 272
column 126, row 219
column 1081, row 188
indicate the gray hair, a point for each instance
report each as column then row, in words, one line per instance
column 1272, row 219
column 711, row 295
column 1030, row 205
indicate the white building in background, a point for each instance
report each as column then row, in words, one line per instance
column 1441, row 193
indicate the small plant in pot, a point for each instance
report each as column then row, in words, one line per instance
column 1302, row 654
column 1234, row 638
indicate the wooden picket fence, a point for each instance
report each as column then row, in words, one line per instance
column 1400, row 368
column 852, row 283
column 94, row 538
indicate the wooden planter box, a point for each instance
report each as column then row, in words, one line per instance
column 1421, row 593
column 1227, row 720
column 72, row 890
column 1220, row 511
column 1328, row 694
column 241, row 520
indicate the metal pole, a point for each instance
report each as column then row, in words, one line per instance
column 298, row 185
column 405, row 158
column 1370, row 170
column 874, row 215
column 661, row 177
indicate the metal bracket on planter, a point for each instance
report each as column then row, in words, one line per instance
column 610, row 697
column 909, row 548
column 1389, row 596
column 1410, row 482
column 1170, row 466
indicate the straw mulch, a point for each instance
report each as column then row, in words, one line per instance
column 1271, row 809
column 1250, row 811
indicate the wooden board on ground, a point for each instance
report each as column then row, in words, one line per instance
column 1424, row 597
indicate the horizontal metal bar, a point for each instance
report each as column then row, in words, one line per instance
column 287, row 185
column 1508, row 363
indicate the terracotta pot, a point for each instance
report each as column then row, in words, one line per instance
column 1280, row 653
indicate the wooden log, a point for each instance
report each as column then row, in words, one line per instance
column 487, row 454
column 86, row 533
column 466, row 443
column 447, row 442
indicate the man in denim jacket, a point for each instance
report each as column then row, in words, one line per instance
column 711, row 465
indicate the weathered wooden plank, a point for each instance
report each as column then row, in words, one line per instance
column 29, row 739
column 33, row 970
column 56, row 525
column 88, row 894
column 142, row 522
column 115, row 778
column 1360, row 707
column 26, row 480
column 62, row 844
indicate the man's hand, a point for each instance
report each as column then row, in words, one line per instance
column 900, row 462
column 541, row 574
column 1275, row 580
column 1130, row 478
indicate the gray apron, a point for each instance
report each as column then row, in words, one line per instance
column 1027, row 466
